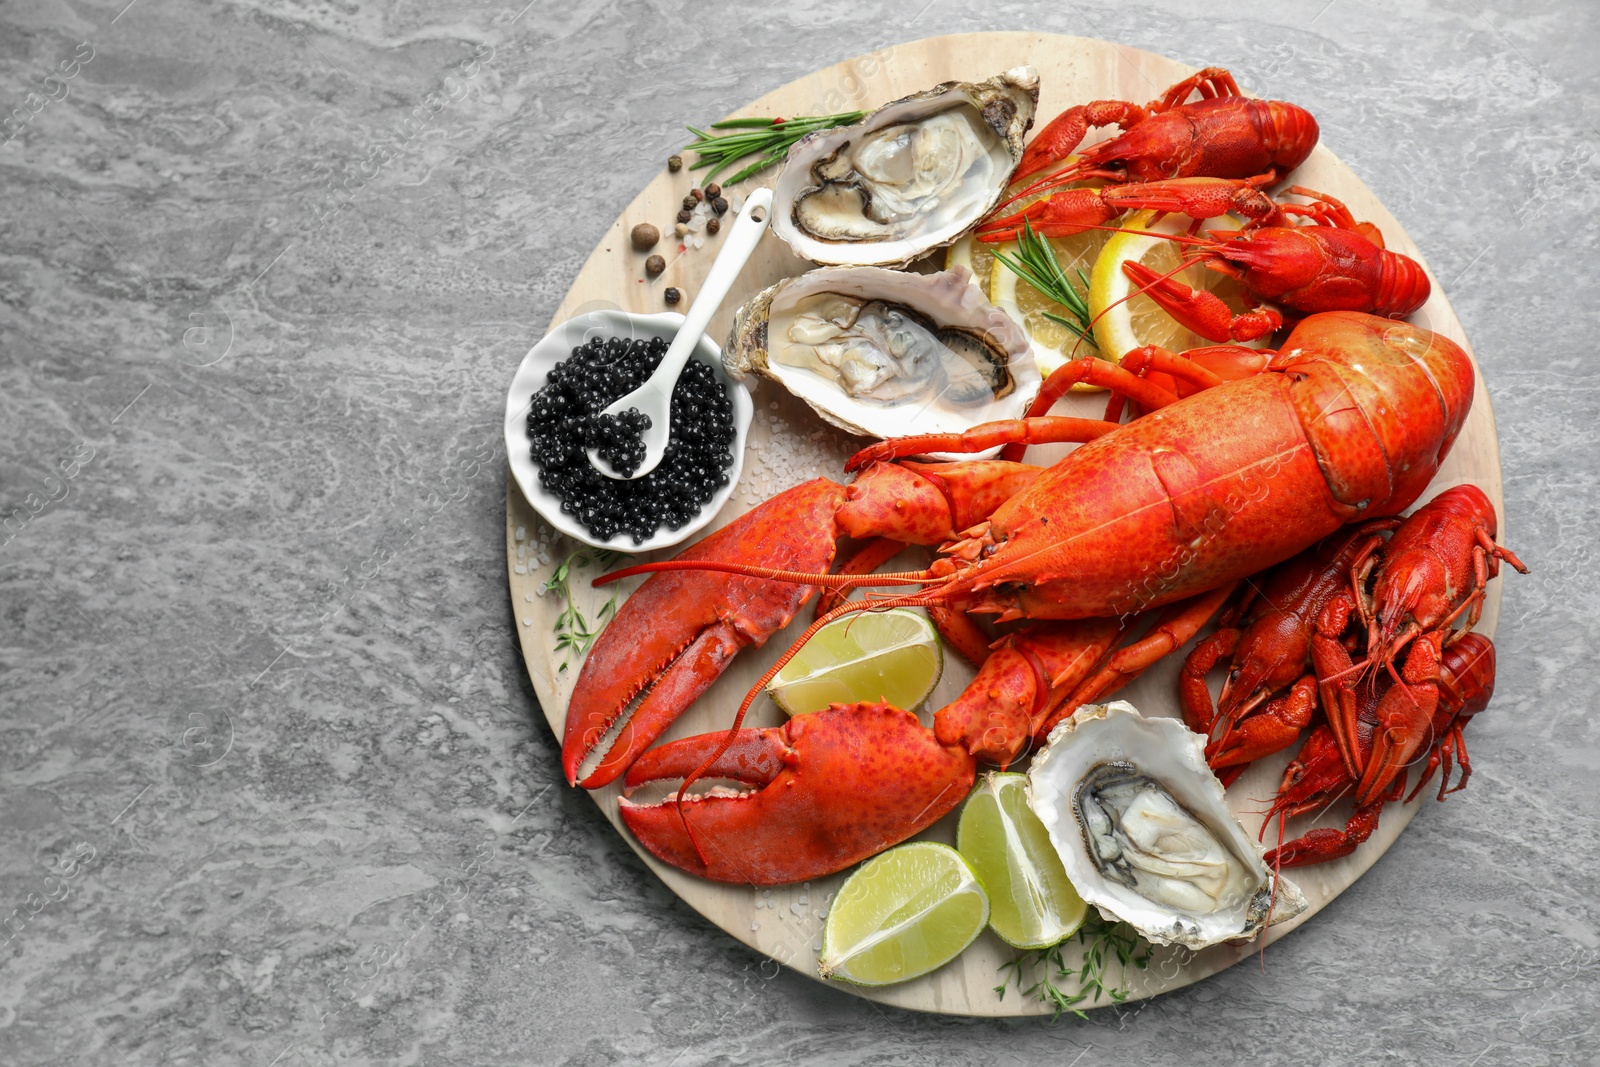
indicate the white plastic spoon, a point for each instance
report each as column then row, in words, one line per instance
column 654, row 397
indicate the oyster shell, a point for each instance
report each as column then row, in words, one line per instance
column 883, row 353
column 1145, row 834
column 910, row 177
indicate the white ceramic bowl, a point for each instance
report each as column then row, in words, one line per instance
column 556, row 346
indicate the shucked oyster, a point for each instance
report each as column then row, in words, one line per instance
column 1145, row 834
column 912, row 176
column 887, row 352
column 884, row 353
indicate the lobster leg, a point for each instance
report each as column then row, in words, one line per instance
column 1211, row 82
column 1336, row 680
column 964, row 635
column 1050, row 429
column 1007, row 703
column 1328, row 211
column 1088, row 370
column 833, row 788
column 1314, row 778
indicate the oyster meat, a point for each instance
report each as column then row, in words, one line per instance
column 910, row 177
column 885, row 353
column 889, row 353
column 1145, row 834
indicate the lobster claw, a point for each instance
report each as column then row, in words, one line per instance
column 678, row 631
column 831, row 789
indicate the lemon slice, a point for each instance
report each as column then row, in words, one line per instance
column 1053, row 344
column 1132, row 322
column 904, row 913
column 1034, row 906
column 973, row 254
column 894, row 656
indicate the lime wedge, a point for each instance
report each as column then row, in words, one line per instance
column 902, row 914
column 1010, row 851
column 892, row 656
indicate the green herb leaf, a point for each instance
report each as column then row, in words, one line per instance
column 1065, row 988
column 574, row 633
column 1035, row 262
column 768, row 138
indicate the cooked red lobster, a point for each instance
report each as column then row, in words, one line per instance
column 1347, row 423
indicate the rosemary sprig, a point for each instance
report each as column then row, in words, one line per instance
column 768, row 138
column 574, row 634
column 1103, row 941
column 1036, row 264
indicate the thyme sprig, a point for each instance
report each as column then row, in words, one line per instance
column 1066, row 988
column 768, row 138
column 1035, row 262
column 574, row 633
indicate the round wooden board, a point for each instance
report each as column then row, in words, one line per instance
column 789, row 445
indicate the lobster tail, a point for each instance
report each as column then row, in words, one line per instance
column 1289, row 132
column 1403, row 285
column 1351, row 369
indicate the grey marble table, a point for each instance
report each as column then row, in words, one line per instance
column 275, row 788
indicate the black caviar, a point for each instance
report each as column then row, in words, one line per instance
column 562, row 421
column 619, row 439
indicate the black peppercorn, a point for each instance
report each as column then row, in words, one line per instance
column 713, row 190
column 713, row 224
column 672, row 296
column 689, row 202
column 685, row 215
column 674, row 163
column 720, row 206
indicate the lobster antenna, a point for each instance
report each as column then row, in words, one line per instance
column 848, row 608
